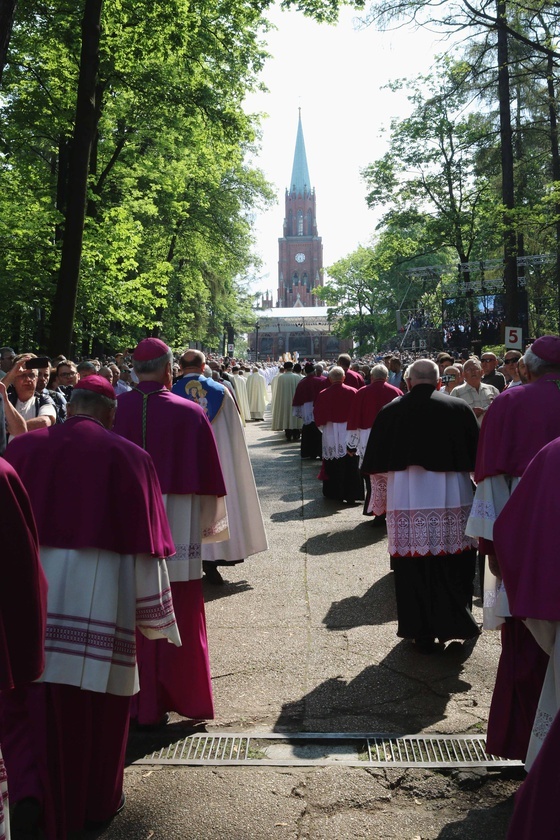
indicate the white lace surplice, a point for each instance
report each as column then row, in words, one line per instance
column 427, row 512
column 96, row 600
column 490, row 498
column 547, row 634
column 304, row 412
column 334, row 440
column 358, row 439
column 377, row 502
column 193, row 520
column 4, row 819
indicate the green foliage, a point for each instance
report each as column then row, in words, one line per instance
column 481, row 165
column 367, row 287
column 431, row 174
column 324, row 12
column 168, row 232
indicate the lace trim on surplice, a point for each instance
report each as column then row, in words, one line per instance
column 419, row 533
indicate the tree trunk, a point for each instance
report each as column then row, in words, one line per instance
column 508, row 192
column 61, row 170
column 64, row 305
column 7, row 14
column 170, row 257
column 555, row 153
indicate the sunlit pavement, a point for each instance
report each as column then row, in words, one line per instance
column 303, row 639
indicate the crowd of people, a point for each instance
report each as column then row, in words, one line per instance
column 413, row 441
column 101, row 625
column 111, row 620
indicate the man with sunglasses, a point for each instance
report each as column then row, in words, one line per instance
column 511, row 368
column 491, row 376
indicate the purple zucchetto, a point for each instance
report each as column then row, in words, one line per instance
column 149, row 349
column 98, row 384
column 547, row 348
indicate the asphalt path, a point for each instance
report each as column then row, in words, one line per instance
column 303, row 639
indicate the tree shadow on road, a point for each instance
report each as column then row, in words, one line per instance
column 314, row 509
column 276, row 439
column 214, row 593
column 142, row 743
column 405, row 693
column 349, row 539
column 376, row 606
column 491, row 822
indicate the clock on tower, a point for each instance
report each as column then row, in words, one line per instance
column 300, row 249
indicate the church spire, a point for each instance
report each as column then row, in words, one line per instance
column 300, row 182
column 300, row 249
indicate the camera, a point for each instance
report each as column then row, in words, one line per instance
column 40, row 362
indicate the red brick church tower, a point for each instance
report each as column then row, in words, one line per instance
column 300, row 249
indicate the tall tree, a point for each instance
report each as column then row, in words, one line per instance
column 489, row 19
column 370, row 286
column 170, row 199
column 431, row 175
column 7, row 12
column 508, row 181
column 85, row 127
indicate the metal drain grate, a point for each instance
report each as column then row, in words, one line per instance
column 308, row 749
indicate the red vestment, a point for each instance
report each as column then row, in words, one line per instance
column 179, row 437
column 369, row 402
column 506, row 448
column 78, row 476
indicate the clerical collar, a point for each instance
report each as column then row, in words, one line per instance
column 87, row 417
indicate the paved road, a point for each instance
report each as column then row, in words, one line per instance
column 302, row 639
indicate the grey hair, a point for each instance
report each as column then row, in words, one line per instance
column 90, row 402
column 472, row 362
column 336, row 374
column 423, row 370
column 85, row 367
column 536, row 365
column 153, row 365
column 319, row 368
column 379, row 371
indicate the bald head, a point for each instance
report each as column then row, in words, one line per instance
column 423, row 372
column 192, row 360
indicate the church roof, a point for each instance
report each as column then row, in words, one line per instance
column 295, row 311
column 300, row 173
column 296, row 319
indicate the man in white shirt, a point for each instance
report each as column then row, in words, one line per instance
column 38, row 410
column 474, row 392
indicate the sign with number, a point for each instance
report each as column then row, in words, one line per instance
column 513, row 338
column 230, row 348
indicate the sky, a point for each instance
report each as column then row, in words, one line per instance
column 336, row 75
